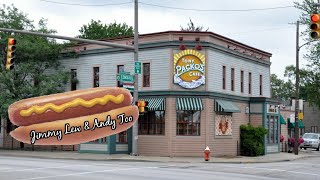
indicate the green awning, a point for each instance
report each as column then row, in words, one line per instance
column 156, row 104
column 194, row 104
column 291, row 125
column 225, row 106
column 282, row 121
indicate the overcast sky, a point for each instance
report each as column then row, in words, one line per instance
column 268, row 30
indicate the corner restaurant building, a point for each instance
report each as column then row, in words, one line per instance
column 197, row 97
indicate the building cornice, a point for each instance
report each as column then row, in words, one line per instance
column 175, row 45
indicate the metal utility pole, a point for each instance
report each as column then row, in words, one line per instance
column 69, row 38
column 296, row 130
column 135, row 92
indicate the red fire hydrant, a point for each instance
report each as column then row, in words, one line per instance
column 207, row 154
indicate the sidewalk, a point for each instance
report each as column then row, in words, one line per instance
column 277, row 157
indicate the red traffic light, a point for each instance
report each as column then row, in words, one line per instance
column 142, row 103
column 138, row 103
column 315, row 17
column 12, row 41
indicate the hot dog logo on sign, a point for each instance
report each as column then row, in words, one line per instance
column 73, row 117
column 189, row 69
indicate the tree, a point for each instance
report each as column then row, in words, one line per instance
column 97, row 30
column 311, row 74
column 191, row 27
column 37, row 70
column 280, row 89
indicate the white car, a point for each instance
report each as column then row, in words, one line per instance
column 311, row 140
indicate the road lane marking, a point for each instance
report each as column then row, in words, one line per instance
column 90, row 172
column 53, row 167
column 5, row 168
column 270, row 169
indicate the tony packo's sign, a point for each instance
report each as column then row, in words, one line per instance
column 189, row 69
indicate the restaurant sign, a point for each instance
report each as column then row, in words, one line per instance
column 189, row 69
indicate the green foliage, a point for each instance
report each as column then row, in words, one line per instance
column 192, row 27
column 252, row 140
column 310, row 75
column 97, row 30
column 37, row 70
column 280, row 89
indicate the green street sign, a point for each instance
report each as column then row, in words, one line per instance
column 125, row 77
column 137, row 67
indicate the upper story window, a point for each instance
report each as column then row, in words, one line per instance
column 120, row 68
column 73, row 79
column 146, row 75
column 232, row 79
column 95, row 76
column 223, row 77
column 241, row 85
column 260, row 87
column 249, row 83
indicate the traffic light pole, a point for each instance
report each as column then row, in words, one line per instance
column 135, row 92
column 296, row 130
column 103, row 43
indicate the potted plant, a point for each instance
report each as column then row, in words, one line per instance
column 281, row 138
column 291, row 142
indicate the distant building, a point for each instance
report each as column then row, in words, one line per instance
column 311, row 119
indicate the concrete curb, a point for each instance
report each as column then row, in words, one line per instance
column 152, row 159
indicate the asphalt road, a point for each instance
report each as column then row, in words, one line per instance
column 21, row 168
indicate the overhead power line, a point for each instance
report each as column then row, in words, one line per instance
column 221, row 10
column 77, row 4
column 170, row 7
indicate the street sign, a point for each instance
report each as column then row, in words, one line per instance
column 300, row 115
column 129, row 85
column 125, row 77
column 137, row 67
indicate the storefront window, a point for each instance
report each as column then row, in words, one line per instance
column 188, row 123
column 271, row 130
column 272, row 127
column 276, row 134
column 152, row 123
column 122, row 137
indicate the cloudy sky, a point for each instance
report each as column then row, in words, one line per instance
column 269, row 30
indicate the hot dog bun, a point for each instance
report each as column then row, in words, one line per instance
column 97, row 100
column 23, row 133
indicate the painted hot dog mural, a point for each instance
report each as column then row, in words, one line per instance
column 73, row 117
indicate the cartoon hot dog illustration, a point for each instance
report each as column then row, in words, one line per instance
column 73, row 117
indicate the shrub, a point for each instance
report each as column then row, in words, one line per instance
column 252, row 140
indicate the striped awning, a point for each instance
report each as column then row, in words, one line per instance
column 155, row 104
column 194, row 104
column 225, row 106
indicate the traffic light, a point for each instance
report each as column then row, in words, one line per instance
column 315, row 26
column 11, row 51
column 142, row 105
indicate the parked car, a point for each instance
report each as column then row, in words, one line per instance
column 311, row 140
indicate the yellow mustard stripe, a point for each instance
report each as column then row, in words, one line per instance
column 76, row 102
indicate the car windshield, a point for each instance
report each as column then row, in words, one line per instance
column 310, row 136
